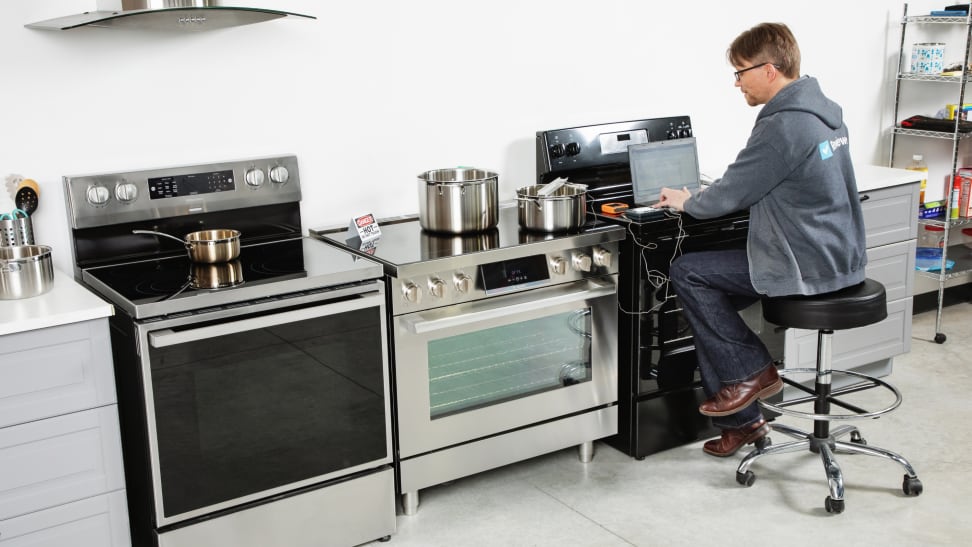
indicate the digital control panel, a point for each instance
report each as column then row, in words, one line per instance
column 560, row 150
column 190, row 185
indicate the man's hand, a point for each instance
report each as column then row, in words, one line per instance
column 673, row 198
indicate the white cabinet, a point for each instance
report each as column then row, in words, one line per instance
column 891, row 230
column 61, row 472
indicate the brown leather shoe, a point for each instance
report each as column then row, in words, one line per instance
column 735, row 397
column 734, row 439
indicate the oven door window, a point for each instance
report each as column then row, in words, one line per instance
column 245, row 412
column 502, row 363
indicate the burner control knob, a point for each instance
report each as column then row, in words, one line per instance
column 572, row 149
column 557, row 151
column 463, row 282
column 602, row 257
column 98, row 195
column 254, row 177
column 126, row 192
column 411, row 292
column 279, row 174
column 558, row 265
column 580, row 262
column 436, row 287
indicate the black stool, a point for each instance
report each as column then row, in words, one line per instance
column 848, row 308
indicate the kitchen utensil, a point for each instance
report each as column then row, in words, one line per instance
column 206, row 246
column 457, row 201
column 16, row 228
column 25, row 271
column 563, row 210
column 551, row 187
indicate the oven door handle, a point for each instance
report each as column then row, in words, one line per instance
column 169, row 337
column 596, row 289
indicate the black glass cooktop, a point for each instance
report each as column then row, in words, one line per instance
column 403, row 242
column 176, row 284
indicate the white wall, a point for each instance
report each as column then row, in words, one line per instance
column 376, row 91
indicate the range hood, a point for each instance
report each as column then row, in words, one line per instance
column 189, row 15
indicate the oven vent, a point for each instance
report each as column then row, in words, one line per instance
column 164, row 15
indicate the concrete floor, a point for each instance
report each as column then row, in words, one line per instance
column 685, row 497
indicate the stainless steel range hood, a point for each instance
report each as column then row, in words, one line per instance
column 189, row 15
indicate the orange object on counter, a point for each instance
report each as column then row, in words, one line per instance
column 614, row 208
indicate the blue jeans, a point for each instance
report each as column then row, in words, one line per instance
column 712, row 287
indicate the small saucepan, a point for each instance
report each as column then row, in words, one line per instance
column 206, row 246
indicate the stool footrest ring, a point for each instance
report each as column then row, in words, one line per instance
column 828, row 417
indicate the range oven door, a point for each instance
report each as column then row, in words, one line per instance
column 250, row 402
column 473, row 370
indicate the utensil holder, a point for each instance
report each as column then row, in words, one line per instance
column 16, row 230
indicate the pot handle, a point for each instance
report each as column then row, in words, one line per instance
column 534, row 200
column 150, row 232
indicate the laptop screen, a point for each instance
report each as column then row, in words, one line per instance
column 655, row 165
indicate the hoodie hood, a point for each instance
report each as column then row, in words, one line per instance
column 804, row 95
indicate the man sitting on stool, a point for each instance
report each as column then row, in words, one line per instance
column 806, row 229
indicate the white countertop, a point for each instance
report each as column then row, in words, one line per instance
column 67, row 302
column 873, row 177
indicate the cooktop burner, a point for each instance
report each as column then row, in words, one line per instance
column 176, row 284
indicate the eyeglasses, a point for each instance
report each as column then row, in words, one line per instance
column 738, row 73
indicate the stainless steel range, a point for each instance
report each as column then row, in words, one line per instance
column 254, row 393
column 504, row 344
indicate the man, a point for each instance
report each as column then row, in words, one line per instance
column 806, row 230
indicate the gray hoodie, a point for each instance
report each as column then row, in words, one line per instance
column 806, row 229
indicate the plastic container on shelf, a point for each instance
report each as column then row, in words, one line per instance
column 967, row 237
column 931, row 236
column 918, row 164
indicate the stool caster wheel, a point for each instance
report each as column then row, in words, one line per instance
column 857, row 439
column 910, row 486
column 746, row 479
column 939, row 337
column 834, row 506
column 762, row 442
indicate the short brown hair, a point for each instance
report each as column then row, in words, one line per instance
column 767, row 43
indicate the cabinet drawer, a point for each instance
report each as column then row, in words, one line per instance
column 890, row 214
column 59, row 460
column 894, row 267
column 854, row 347
column 53, row 371
column 100, row 521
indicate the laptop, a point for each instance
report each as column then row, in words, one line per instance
column 659, row 164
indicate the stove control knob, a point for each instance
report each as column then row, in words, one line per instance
column 558, row 265
column 411, row 292
column 463, row 282
column 97, row 195
column 602, row 257
column 580, row 262
column 126, row 192
column 254, row 177
column 557, row 151
column 437, row 287
column 279, row 174
column 572, row 149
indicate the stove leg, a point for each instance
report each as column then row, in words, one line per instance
column 410, row 503
column 585, row 452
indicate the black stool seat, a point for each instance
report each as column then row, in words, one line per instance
column 856, row 306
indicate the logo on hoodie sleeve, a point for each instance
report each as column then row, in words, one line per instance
column 826, row 148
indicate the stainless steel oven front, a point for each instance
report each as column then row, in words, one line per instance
column 479, row 372
column 251, row 402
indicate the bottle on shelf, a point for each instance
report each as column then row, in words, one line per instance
column 953, row 202
column 918, row 164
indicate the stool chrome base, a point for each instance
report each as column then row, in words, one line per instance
column 826, row 447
